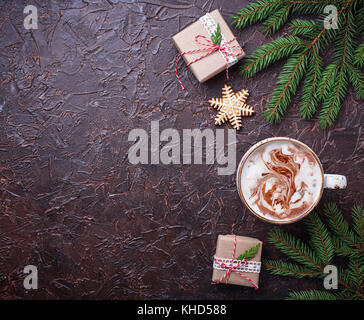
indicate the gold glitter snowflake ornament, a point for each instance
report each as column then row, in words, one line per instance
column 231, row 107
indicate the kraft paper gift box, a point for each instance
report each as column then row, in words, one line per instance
column 225, row 248
column 214, row 63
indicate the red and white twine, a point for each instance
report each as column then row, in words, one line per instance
column 210, row 48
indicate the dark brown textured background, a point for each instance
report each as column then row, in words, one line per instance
column 71, row 203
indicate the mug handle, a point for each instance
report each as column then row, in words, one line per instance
column 334, row 181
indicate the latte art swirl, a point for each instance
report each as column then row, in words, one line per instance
column 277, row 187
column 281, row 180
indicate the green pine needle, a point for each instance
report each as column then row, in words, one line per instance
column 313, row 7
column 270, row 53
column 327, row 81
column 305, row 28
column 276, row 20
column 339, row 226
column 342, row 248
column 250, row 253
column 256, row 12
column 309, row 97
column 359, row 55
column 312, row 295
column 356, row 79
column 355, row 273
column 304, row 50
column 295, row 249
column 283, row 268
column 360, row 17
column 320, row 239
column 216, row 36
column 358, row 224
column 331, row 105
column 287, row 84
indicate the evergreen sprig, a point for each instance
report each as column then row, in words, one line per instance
column 312, row 295
column 326, row 240
column 359, row 55
column 216, row 36
column 250, row 253
column 325, row 85
column 295, row 249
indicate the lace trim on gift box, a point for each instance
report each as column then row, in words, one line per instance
column 211, row 26
column 249, row 266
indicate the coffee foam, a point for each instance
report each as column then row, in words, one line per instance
column 281, row 180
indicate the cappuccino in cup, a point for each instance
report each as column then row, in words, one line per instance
column 280, row 180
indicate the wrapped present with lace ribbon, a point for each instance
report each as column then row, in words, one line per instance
column 205, row 56
column 237, row 261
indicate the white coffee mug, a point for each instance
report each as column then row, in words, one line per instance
column 330, row 181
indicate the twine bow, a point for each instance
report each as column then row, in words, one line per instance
column 232, row 268
column 210, row 48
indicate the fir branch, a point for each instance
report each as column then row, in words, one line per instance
column 359, row 55
column 309, row 98
column 309, row 39
column 333, row 101
column 304, row 28
column 249, row 254
column 286, row 86
column 327, row 81
column 312, row 295
column 270, row 53
column 358, row 224
column 276, row 20
column 320, row 239
column 356, row 274
column 260, row 10
column 344, row 44
column 343, row 249
column 311, row 259
column 256, row 12
column 360, row 17
column 294, row 248
column 331, row 35
column 356, row 79
column 339, row 226
column 349, row 279
column 313, row 7
column 282, row 268
column 331, row 105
